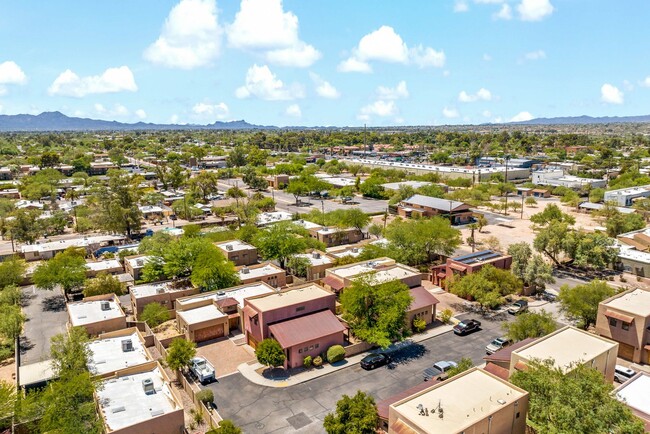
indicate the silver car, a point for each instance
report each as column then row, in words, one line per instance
column 497, row 344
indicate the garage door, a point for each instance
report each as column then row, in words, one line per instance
column 625, row 351
column 208, row 333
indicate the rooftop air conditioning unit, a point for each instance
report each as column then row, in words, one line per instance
column 160, row 290
column 105, row 305
column 147, row 386
column 229, row 247
column 127, row 345
column 139, row 262
column 245, row 270
column 355, row 250
column 315, row 255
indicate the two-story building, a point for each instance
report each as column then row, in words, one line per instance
column 238, row 252
column 267, row 273
column 625, row 318
column 164, row 293
column 318, row 263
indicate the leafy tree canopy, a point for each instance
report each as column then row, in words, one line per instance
column 581, row 301
column 530, row 325
column 353, row 415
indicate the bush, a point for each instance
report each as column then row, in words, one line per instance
column 154, row 314
column 335, row 353
column 419, row 325
column 446, row 315
column 318, row 361
column 206, row 396
column 306, row 362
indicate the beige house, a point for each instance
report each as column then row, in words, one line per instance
column 238, row 252
column 134, row 265
column 318, row 263
column 109, row 266
column 117, row 350
column 164, row 293
column 267, row 273
column 140, row 399
column 569, row 346
column 383, row 269
column 98, row 314
column 625, row 318
column 473, row 402
column 203, row 323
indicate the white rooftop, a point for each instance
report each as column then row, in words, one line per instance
column 322, row 259
column 430, row 167
column 103, row 265
column 636, row 393
column 89, row 312
column 629, row 252
column 123, row 403
column 566, row 346
column 200, row 314
column 138, row 261
column 266, row 218
column 239, row 294
column 64, row 244
column 307, row 225
column 107, row 354
column 353, row 270
column 149, row 289
column 465, row 399
column 636, row 302
column 337, row 252
column 255, row 272
column 412, row 184
column 235, row 246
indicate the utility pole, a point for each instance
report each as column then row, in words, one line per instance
column 505, row 209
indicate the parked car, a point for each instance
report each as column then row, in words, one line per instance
column 518, row 306
column 439, row 370
column 622, row 374
column 467, row 326
column 497, row 344
column 375, row 360
column 202, row 369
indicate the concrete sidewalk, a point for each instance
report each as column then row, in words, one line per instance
column 249, row 371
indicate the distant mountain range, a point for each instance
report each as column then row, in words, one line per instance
column 57, row 121
column 586, row 120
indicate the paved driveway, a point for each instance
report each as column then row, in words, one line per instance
column 224, row 355
column 46, row 316
column 301, row 408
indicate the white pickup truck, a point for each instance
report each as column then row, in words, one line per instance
column 203, row 369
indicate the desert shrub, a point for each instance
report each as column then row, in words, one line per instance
column 419, row 325
column 335, row 353
column 306, row 362
column 318, row 361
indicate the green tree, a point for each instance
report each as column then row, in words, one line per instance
column 70, row 352
column 538, row 273
column 116, row 204
column 298, row 188
column 204, row 184
column 531, row 201
column 298, row 266
column 212, row 270
column 25, row 225
column 552, row 240
column 154, row 314
column 419, row 241
column 351, row 218
column 488, row 286
column 237, row 157
column 376, row 312
column 226, row 426
column 581, row 301
column 530, row 325
column 353, row 415
column 595, row 250
column 12, row 271
column 375, row 230
column 8, row 400
column 235, row 193
column 180, row 354
column 269, row 352
column 280, row 241
column 521, row 253
column 463, row 365
column 67, row 268
column 551, row 213
column 575, row 403
column 597, row 195
column 104, row 283
column 622, row 223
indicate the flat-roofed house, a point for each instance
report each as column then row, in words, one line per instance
column 427, row 206
column 238, row 252
column 383, row 269
column 332, row 236
column 109, row 266
column 228, row 301
column 33, row 252
column 625, row 318
column 140, row 399
column 472, row 402
column 203, row 323
column 267, row 273
column 117, row 350
column 442, row 275
column 318, row 263
column 98, row 314
column 567, row 347
column 263, row 312
column 634, row 393
column 164, row 293
column 134, row 265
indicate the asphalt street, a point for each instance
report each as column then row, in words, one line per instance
column 302, row 408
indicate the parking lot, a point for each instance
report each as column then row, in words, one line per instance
column 301, row 408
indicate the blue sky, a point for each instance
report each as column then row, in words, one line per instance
column 334, row 62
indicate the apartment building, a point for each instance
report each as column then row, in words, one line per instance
column 267, row 273
column 164, row 293
column 238, row 252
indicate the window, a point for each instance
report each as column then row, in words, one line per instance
column 517, row 415
column 299, row 309
column 625, row 325
column 300, row 351
column 234, row 258
column 311, row 347
column 317, row 345
column 612, row 322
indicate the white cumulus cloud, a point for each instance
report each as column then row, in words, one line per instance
column 534, row 10
column 219, row 111
column 379, row 108
column 264, row 25
column 461, row 6
column 190, row 38
column 294, row 110
column 141, row 114
column 11, row 73
column 118, row 110
column 324, row 88
column 521, row 117
column 385, row 45
column 504, row 13
column 450, row 113
column 110, row 81
column 263, row 84
column 482, row 95
column 611, row 94
column 646, row 82
column 535, row 55
column 397, row 92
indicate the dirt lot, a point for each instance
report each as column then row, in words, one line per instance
column 8, row 372
column 225, row 356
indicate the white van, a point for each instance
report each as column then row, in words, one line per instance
column 622, row 374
